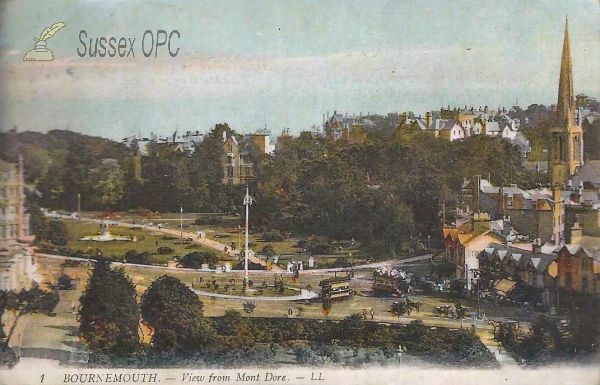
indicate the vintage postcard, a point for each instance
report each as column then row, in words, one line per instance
column 299, row 192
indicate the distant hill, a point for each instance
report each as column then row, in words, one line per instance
column 41, row 150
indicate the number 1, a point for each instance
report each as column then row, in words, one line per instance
column 42, row 379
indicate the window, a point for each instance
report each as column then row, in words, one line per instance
column 584, row 264
column 584, row 284
column 509, row 201
column 230, row 172
column 568, row 280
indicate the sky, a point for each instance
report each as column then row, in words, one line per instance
column 283, row 64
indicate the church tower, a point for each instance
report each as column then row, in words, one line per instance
column 566, row 138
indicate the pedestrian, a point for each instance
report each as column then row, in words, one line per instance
column 364, row 313
column 290, row 312
column 372, row 314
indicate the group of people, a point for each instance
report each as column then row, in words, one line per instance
column 372, row 312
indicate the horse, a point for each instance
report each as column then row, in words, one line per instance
column 445, row 310
column 416, row 306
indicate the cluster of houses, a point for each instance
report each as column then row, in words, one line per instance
column 539, row 246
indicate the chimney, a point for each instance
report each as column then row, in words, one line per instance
column 428, row 119
column 537, row 246
column 506, row 225
column 576, row 232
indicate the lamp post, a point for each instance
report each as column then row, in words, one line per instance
column 247, row 203
column 477, row 278
column 78, row 206
column 181, row 221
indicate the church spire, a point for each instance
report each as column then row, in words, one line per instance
column 566, row 101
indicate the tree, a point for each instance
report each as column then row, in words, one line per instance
column 268, row 252
column 108, row 314
column 37, row 222
column 107, row 182
column 34, row 300
column 230, row 323
column 541, row 341
column 249, row 307
column 58, row 233
column 175, row 313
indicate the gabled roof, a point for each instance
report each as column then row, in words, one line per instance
column 590, row 245
column 437, row 124
column 450, row 124
column 492, row 127
column 467, row 232
column 520, row 256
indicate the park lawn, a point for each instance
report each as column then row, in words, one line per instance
column 146, row 242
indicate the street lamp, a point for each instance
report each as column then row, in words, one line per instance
column 477, row 278
column 247, row 203
column 181, row 221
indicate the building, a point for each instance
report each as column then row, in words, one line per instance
column 16, row 268
column 238, row 157
column 262, row 141
column 345, row 127
column 519, row 274
column 453, row 130
column 16, row 264
column 237, row 168
column 14, row 223
column 578, row 269
column 566, row 137
column 463, row 245
column 536, row 213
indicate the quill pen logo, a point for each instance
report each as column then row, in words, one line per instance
column 40, row 52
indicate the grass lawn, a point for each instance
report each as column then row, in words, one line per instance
column 146, row 242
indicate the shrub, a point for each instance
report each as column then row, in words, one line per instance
column 196, row 259
column 274, row 236
column 133, row 256
column 322, row 248
column 209, row 220
column 165, row 250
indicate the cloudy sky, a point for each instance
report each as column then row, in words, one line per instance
column 286, row 63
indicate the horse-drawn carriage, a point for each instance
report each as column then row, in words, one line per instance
column 404, row 305
column 450, row 311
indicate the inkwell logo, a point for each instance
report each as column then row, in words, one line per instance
column 40, row 52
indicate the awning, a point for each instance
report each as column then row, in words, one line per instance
column 504, row 286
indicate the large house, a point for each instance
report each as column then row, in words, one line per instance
column 16, row 264
column 14, row 223
column 578, row 268
column 346, row 127
column 464, row 243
